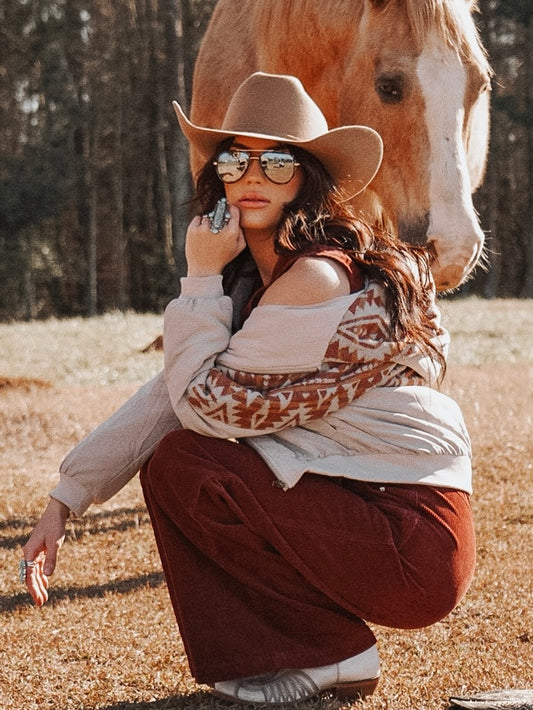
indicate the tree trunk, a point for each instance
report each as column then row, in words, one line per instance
column 528, row 286
column 119, row 246
column 29, row 283
column 180, row 150
column 92, row 250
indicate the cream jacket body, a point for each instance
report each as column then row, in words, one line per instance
column 376, row 418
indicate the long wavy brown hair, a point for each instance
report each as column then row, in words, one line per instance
column 321, row 214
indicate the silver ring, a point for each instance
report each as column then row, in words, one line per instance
column 24, row 566
column 219, row 217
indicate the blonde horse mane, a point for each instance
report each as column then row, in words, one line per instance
column 451, row 20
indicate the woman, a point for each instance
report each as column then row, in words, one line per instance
column 313, row 476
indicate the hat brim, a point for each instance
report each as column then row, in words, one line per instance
column 351, row 154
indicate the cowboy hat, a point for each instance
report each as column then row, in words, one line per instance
column 276, row 107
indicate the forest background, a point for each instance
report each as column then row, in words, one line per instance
column 94, row 171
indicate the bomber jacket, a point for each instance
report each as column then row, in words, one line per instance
column 347, row 401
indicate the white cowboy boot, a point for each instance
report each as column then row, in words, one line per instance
column 354, row 677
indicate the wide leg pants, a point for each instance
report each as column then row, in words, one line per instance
column 262, row 579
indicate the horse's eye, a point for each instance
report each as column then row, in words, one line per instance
column 390, row 88
column 486, row 87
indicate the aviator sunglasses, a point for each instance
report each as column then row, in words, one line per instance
column 277, row 166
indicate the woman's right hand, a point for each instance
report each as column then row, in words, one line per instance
column 43, row 547
column 207, row 253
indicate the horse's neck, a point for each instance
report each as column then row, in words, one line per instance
column 310, row 49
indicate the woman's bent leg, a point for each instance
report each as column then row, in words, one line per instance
column 262, row 579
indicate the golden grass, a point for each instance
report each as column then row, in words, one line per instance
column 97, row 351
column 107, row 639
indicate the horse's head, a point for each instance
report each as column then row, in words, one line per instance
column 429, row 102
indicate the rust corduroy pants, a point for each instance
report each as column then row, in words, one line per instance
column 262, row 579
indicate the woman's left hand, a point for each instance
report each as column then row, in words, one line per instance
column 43, row 548
column 207, row 253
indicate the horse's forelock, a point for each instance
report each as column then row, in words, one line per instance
column 451, row 20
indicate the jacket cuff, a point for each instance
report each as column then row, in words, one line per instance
column 72, row 495
column 206, row 286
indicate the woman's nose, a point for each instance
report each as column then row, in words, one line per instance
column 254, row 171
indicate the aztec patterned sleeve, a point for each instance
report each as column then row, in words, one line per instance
column 262, row 383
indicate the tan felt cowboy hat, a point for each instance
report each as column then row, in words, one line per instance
column 277, row 107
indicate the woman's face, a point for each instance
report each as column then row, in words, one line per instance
column 260, row 201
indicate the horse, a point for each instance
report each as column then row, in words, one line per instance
column 414, row 70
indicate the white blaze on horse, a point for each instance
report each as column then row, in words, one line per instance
column 412, row 69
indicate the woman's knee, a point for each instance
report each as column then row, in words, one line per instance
column 185, row 461
column 167, row 454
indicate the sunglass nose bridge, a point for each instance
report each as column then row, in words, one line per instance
column 255, row 169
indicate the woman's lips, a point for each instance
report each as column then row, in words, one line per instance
column 252, row 200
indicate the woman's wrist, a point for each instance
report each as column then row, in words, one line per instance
column 58, row 507
column 207, row 286
column 197, row 272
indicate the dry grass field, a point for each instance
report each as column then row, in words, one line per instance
column 107, row 639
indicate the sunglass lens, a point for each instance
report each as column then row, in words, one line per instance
column 277, row 166
column 231, row 165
